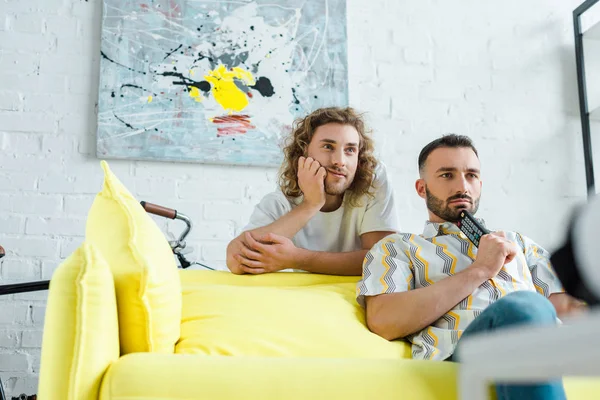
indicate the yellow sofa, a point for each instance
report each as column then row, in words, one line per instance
column 122, row 323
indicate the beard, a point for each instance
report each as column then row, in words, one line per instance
column 337, row 186
column 447, row 212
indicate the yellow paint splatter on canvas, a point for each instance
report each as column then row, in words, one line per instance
column 226, row 93
column 195, row 94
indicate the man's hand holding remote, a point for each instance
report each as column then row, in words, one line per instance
column 493, row 253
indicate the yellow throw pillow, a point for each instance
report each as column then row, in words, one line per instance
column 146, row 278
column 81, row 332
column 278, row 315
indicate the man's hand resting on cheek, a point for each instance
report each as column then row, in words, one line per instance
column 268, row 253
column 311, row 179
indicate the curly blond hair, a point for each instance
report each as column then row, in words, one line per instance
column 303, row 132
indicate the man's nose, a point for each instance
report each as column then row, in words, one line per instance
column 338, row 158
column 462, row 185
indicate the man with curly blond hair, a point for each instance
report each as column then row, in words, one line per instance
column 333, row 205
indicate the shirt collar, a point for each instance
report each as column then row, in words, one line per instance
column 432, row 229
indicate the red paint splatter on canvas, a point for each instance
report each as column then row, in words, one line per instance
column 233, row 125
column 175, row 11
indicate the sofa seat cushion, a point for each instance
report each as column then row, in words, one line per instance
column 277, row 315
column 186, row 376
column 146, row 279
column 177, row 376
column 183, row 376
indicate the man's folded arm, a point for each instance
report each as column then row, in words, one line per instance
column 407, row 310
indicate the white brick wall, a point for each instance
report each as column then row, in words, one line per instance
column 502, row 72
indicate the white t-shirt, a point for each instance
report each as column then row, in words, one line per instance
column 336, row 231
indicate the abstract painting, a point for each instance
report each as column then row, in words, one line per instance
column 216, row 81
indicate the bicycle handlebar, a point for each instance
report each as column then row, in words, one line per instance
column 165, row 212
column 159, row 210
column 24, row 287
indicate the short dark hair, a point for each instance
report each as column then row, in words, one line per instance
column 450, row 140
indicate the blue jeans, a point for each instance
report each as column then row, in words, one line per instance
column 518, row 308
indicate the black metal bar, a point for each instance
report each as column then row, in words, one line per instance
column 2, row 394
column 586, row 5
column 24, row 287
column 583, row 106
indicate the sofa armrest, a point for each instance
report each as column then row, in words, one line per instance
column 81, row 333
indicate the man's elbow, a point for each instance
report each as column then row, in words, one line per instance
column 230, row 261
column 382, row 326
column 234, row 268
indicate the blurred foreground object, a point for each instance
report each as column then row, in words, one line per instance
column 575, row 262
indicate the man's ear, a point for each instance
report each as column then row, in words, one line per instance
column 420, row 186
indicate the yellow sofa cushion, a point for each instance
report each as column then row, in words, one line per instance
column 147, row 283
column 183, row 376
column 175, row 376
column 285, row 314
column 81, row 332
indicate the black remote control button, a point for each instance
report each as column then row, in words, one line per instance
column 472, row 229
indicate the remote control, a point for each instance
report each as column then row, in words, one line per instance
column 471, row 227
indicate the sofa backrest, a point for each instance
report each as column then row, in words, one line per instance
column 279, row 315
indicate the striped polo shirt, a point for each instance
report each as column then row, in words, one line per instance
column 402, row 262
